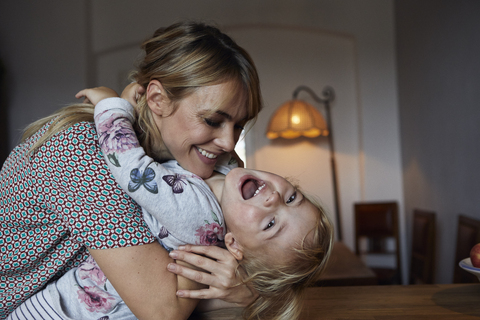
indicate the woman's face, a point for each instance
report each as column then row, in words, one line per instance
column 265, row 214
column 205, row 125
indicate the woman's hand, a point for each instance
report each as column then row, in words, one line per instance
column 95, row 95
column 132, row 93
column 222, row 279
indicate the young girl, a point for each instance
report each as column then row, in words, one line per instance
column 281, row 238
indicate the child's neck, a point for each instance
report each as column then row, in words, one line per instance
column 216, row 182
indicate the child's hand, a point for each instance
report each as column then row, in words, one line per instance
column 95, row 95
column 132, row 93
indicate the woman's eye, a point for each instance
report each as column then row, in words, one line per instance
column 212, row 123
column 292, row 198
column 270, row 224
column 239, row 127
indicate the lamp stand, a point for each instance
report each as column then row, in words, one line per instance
column 329, row 95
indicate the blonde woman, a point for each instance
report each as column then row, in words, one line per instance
column 266, row 223
column 59, row 201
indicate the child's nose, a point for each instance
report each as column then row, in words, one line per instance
column 272, row 199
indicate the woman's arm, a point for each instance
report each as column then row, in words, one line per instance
column 140, row 276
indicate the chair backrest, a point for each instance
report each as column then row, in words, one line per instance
column 377, row 222
column 468, row 234
column 422, row 263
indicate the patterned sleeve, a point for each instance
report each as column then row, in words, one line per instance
column 137, row 173
column 78, row 185
column 178, row 200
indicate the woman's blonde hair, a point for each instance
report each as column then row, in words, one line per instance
column 183, row 57
column 281, row 288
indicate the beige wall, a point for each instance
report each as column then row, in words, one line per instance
column 81, row 42
column 439, row 76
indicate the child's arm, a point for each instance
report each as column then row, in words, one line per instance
column 184, row 196
column 136, row 172
column 95, row 95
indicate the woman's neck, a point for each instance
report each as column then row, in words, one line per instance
column 216, row 182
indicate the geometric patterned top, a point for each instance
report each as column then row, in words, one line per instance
column 54, row 204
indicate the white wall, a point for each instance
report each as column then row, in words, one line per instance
column 62, row 46
column 439, row 76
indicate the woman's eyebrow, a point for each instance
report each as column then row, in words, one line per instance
column 224, row 114
column 228, row 116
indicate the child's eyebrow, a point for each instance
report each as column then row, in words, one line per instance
column 276, row 234
column 302, row 201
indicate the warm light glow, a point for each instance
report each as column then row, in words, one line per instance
column 296, row 118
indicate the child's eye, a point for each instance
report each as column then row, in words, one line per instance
column 270, row 224
column 292, row 198
column 212, row 123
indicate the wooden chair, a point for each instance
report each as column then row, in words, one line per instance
column 422, row 264
column 468, row 234
column 376, row 223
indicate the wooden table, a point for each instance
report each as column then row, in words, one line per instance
column 345, row 268
column 447, row 301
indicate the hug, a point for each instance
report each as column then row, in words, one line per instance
column 100, row 197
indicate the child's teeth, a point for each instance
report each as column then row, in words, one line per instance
column 258, row 190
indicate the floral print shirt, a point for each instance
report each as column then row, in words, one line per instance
column 178, row 207
column 55, row 203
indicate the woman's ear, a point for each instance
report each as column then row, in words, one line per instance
column 156, row 98
column 233, row 246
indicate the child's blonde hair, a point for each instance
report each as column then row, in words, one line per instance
column 281, row 287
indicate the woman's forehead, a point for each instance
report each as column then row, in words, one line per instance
column 226, row 98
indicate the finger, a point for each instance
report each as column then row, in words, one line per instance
column 197, row 276
column 81, row 93
column 214, row 252
column 220, row 267
column 140, row 90
column 199, row 294
column 194, row 260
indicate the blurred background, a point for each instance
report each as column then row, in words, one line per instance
column 406, row 74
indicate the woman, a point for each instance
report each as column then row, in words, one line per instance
column 279, row 236
column 58, row 199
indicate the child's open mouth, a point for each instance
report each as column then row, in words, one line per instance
column 251, row 188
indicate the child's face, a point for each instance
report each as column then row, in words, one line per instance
column 265, row 214
column 196, row 136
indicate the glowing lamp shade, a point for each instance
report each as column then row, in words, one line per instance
column 296, row 118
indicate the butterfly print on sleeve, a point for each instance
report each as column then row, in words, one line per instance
column 175, row 181
column 163, row 233
column 146, row 178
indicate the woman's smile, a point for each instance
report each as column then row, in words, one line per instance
column 205, row 125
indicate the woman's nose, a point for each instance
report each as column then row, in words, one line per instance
column 226, row 139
